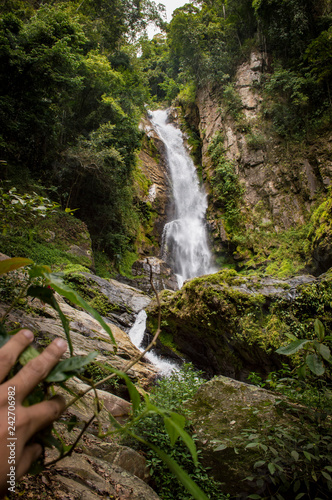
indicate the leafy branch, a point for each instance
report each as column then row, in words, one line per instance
column 43, row 284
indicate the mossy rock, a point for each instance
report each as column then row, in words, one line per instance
column 231, row 324
column 226, row 414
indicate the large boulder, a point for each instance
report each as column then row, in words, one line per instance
column 227, row 415
column 119, row 302
column 231, row 324
column 162, row 275
column 87, row 335
column 96, row 469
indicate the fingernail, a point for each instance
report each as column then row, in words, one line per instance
column 28, row 334
column 62, row 344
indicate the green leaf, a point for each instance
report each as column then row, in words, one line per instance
column 302, row 371
column 326, row 475
column 69, row 367
column 76, row 299
column 259, row 463
column 181, row 475
column 300, row 495
column 133, row 392
column 319, row 329
column 307, row 455
column 252, row 445
column 271, row 468
column 28, row 354
column 295, row 455
column 45, row 294
column 12, row 264
column 175, row 428
column 38, row 271
column 291, row 336
column 172, row 424
column 315, row 364
column 324, row 351
column 221, row 447
column 292, row 347
column 254, row 496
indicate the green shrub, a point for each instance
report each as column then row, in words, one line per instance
column 170, row 394
column 226, row 187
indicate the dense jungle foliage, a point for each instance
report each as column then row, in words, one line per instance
column 76, row 76
column 72, row 94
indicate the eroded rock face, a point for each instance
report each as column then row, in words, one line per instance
column 162, row 276
column 117, row 301
column 230, row 324
column 154, row 166
column 96, row 469
column 280, row 184
column 221, row 410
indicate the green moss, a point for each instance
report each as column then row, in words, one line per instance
column 126, row 263
column 224, row 316
column 89, row 290
column 166, row 338
column 102, row 304
column 104, row 266
column 47, row 240
column 41, row 253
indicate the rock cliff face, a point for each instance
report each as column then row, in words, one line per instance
column 152, row 164
column 281, row 182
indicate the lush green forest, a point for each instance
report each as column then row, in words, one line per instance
column 76, row 76
column 72, row 94
column 76, row 79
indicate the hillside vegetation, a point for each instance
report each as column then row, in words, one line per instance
column 76, row 76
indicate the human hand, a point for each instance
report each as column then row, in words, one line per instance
column 19, row 423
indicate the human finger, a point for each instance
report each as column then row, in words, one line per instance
column 38, row 368
column 42, row 414
column 12, row 349
column 30, row 453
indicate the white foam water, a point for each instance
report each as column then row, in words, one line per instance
column 136, row 335
column 184, row 243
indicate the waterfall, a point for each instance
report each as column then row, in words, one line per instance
column 136, row 335
column 184, row 243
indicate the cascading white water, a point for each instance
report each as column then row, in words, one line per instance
column 185, row 244
column 136, row 335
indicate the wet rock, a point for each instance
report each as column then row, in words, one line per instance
column 153, row 165
column 122, row 302
column 162, row 276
